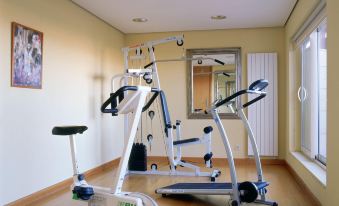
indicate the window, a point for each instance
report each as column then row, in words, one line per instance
column 322, row 86
column 313, row 93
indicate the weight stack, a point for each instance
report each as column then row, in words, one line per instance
column 138, row 158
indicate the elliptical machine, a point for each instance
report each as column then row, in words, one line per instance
column 240, row 192
column 127, row 99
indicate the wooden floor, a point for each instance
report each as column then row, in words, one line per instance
column 283, row 188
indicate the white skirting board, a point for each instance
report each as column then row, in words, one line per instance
column 263, row 115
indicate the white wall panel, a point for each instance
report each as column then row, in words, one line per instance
column 263, row 116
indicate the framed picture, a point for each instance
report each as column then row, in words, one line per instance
column 26, row 70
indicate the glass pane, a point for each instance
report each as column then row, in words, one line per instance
column 309, row 96
column 322, row 83
column 313, row 94
column 202, row 87
column 225, row 86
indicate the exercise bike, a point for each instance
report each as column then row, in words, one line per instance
column 127, row 99
column 248, row 191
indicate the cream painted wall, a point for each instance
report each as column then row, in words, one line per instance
column 80, row 55
column 173, row 81
column 327, row 195
column 333, row 102
column 301, row 12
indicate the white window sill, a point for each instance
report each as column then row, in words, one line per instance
column 316, row 170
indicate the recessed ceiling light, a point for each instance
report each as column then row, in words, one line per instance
column 140, row 20
column 218, row 17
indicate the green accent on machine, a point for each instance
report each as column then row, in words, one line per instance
column 125, row 204
column 75, row 197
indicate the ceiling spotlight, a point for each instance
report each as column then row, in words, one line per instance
column 218, row 17
column 140, row 20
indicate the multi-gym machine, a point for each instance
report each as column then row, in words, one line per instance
column 173, row 145
column 126, row 100
column 247, row 192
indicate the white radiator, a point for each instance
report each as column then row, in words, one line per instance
column 263, row 115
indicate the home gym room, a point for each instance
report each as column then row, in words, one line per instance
column 145, row 103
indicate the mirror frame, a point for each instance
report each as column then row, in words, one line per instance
column 189, row 54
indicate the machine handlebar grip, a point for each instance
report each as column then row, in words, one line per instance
column 112, row 111
column 245, row 91
column 112, row 100
column 150, row 102
column 219, row 62
column 254, row 100
column 148, row 65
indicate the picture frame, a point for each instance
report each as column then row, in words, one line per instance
column 26, row 57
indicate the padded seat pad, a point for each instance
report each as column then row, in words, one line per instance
column 185, row 141
column 69, row 130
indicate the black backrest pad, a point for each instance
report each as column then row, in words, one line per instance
column 258, row 85
column 165, row 112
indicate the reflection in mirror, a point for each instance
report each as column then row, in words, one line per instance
column 214, row 76
column 224, row 86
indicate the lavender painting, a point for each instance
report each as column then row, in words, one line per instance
column 26, row 57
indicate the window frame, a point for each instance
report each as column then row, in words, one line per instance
column 314, row 151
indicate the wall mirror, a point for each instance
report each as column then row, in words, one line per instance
column 213, row 74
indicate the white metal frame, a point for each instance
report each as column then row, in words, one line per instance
column 227, row 145
column 174, row 157
column 132, row 103
column 206, row 140
column 150, row 46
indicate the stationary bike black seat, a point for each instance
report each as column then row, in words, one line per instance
column 68, row 130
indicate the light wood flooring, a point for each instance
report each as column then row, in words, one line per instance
column 283, row 188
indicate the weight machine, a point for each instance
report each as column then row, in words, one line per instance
column 173, row 145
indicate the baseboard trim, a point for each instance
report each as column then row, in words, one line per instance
column 220, row 161
column 31, row 199
column 302, row 185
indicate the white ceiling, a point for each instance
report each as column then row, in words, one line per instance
column 185, row 15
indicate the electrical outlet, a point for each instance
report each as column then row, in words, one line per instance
column 237, row 148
